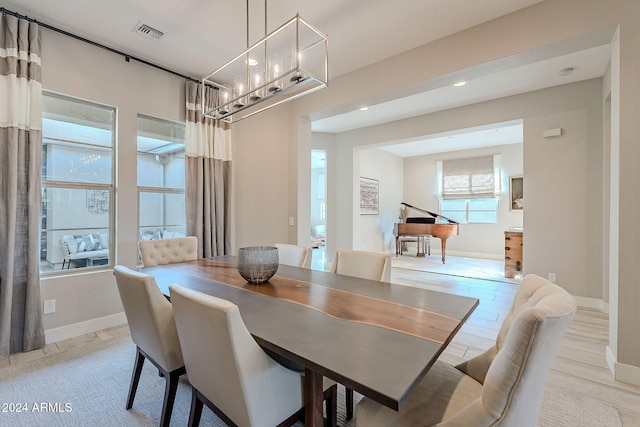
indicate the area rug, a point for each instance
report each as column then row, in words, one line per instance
column 475, row 268
column 88, row 385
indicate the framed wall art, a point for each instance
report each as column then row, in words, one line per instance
column 516, row 194
column 368, row 196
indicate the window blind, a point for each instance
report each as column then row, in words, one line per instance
column 471, row 178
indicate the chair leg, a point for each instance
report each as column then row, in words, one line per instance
column 170, row 389
column 135, row 377
column 348, row 400
column 331, row 402
column 196, row 409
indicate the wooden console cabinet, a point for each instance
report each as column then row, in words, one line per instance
column 512, row 252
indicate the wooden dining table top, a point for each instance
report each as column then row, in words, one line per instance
column 374, row 337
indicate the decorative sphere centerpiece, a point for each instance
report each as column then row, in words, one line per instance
column 258, row 264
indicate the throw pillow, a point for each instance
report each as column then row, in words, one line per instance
column 104, row 240
column 90, row 242
column 71, row 243
column 82, row 246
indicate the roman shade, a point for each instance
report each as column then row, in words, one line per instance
column 470, row 178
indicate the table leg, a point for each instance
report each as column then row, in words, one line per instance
column 313, row 399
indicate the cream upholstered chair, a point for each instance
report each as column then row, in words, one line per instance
column 168, row 251
column 229, row 371
column 503, row 386
column 153, row 330
column 366, row 265
column 297, row 256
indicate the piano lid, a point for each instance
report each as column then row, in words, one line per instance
column 435, row 215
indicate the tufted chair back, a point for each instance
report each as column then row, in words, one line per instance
column 168, row 251
column 503, row 386
column 513, row 372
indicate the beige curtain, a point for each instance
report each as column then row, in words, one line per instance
column 208, row 165
column 20, row 152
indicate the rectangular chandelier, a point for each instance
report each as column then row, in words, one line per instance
column 286, row 64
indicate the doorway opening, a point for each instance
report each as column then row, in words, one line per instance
column 318, row 207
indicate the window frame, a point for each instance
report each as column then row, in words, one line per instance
column 79, row 185
column 466, row 209
column 158, row 190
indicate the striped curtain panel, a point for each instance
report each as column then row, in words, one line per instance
column 20, row 152
column 208, row 169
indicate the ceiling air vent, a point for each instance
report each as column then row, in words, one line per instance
column 147, row 31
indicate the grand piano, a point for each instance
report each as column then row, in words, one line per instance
column 434, row 225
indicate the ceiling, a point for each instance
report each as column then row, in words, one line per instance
column 200, row 35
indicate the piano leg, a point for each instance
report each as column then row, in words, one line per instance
column 444, row 248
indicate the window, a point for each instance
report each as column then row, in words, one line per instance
column 464, row 211
column 77, row 183
column 469, row 189
column 161, row 178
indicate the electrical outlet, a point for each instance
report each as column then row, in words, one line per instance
column 49, row 306
column 291, row 220
column 552, row 277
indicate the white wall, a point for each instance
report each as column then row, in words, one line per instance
column 476, row 240
column 261, row 180
column 374, row 233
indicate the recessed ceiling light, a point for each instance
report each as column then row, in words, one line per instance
column 566, row 71
column 364, row 108
column 251, row 62
column 499, row 130
column 461, row 83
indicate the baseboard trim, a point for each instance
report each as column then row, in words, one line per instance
column 622, row 372
column 594, row 303
column 437, row 251
column 77, row 329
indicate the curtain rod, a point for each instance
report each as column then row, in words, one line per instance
column 127, row 57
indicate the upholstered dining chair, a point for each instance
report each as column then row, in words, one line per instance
column 153, row 330
column 503, row 386
column 366, row 265
column 229, row 371
column 168, row 251
column 297, row 256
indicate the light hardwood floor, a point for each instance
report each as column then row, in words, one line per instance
column 580, row 363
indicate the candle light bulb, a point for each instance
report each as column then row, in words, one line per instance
column 256, row 86
column 239, row 92
column 274, row 70
column 297, row 77
column 225, row 100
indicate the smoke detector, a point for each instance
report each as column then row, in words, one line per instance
column 147, row 31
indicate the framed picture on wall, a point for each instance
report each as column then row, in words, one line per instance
column 516, row 194
column 368, row 196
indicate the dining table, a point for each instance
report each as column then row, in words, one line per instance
column 376, row 338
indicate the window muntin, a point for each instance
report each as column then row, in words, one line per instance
column 77, row 183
